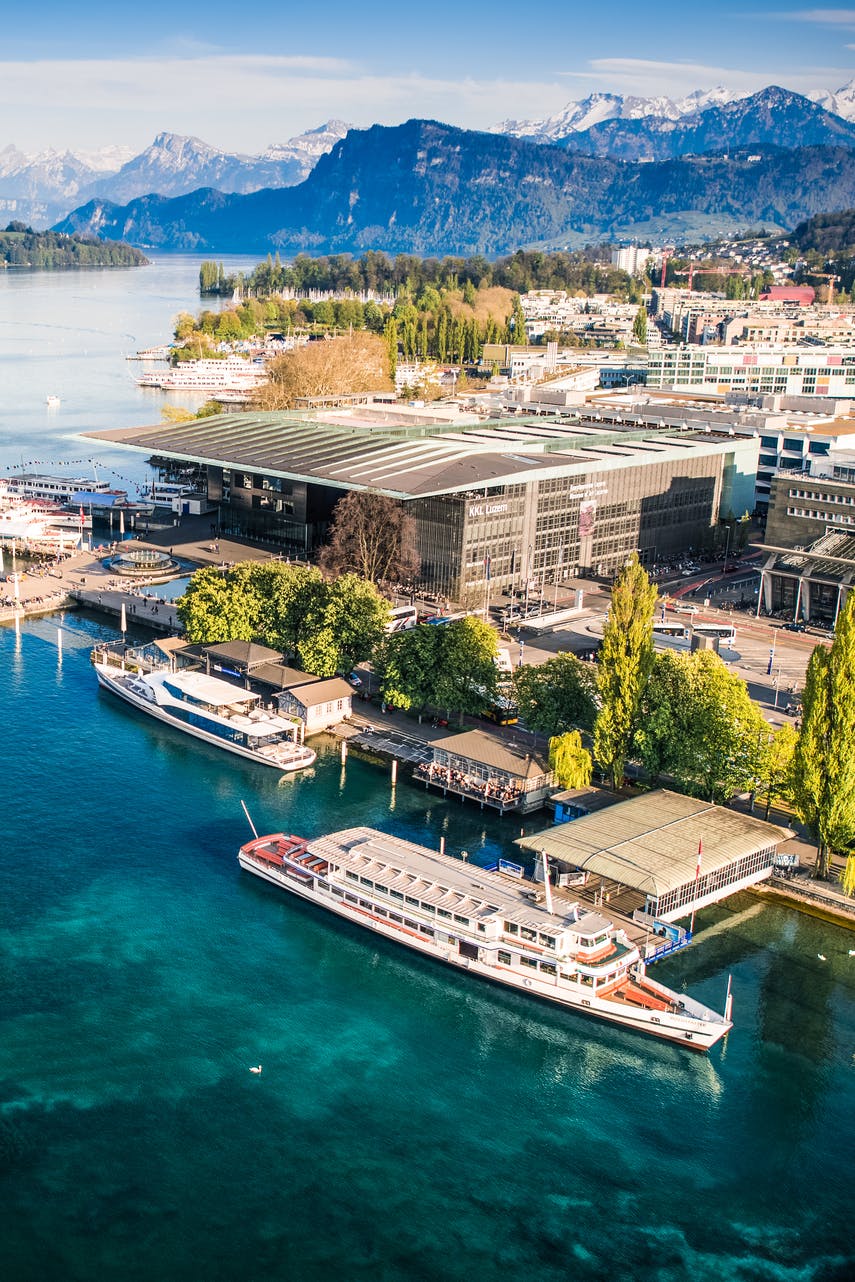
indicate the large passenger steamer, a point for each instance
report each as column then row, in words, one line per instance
column 493, row 926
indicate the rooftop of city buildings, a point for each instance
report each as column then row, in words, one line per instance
column 829, row 417
column 360, row 448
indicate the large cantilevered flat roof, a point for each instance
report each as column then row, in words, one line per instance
column 341, row 449
column 650, row 843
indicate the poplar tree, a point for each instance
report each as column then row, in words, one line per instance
column 625, row 662
column 824, row 765
column 390, row 337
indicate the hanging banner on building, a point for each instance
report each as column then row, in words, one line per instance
column 587, row 518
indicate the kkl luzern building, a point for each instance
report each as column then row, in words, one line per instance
column 495, row 504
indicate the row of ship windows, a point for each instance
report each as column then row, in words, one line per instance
column 399, row 897
column 510, row 927
column 381, row 912
column 548, row 968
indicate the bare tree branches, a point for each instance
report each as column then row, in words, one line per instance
column 371, row 535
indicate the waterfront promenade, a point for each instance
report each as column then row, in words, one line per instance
column 83, row 580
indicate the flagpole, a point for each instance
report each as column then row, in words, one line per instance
column 697, row 879
column 547, row 888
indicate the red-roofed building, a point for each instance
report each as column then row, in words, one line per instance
column 804, row 295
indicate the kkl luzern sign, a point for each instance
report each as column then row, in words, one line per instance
column 487, row 509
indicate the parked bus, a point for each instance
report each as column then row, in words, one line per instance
column 402, row 617
column 670, row 631
column 725, row 632
column 502, row 711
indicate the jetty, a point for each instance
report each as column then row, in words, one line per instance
column 140, row 608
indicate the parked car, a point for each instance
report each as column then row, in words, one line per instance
column 355, row 680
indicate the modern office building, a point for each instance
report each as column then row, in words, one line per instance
column 496, row 505
column 788, row 371
column 810, row 543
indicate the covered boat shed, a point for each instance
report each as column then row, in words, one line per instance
column 679, row 853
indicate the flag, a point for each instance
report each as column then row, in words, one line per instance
column 82, row 517
column 487, row 567
column 771, row 661
column 698, row 868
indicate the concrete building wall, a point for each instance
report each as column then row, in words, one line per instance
column 802, row 508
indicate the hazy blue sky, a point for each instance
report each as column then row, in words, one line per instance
column 244, row 75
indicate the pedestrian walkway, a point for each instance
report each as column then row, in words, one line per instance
column 151, row 611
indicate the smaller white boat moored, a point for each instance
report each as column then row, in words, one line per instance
column 210, row 709
column 52, row 402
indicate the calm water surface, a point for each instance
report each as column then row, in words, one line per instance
column 67, row 334
column 409, row 1124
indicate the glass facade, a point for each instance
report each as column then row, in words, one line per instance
column 658, row 500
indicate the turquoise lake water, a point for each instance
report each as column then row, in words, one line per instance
column 409, row 1123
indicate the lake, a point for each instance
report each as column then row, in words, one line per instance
column 409, row 1123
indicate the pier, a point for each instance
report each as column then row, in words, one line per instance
column 140, row 608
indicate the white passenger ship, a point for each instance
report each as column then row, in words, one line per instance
column 37, row 527
column 233, row 374
column 210, row 709
column 486, row 923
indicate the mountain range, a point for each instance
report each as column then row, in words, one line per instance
column 774, row 117
column 43, row 188
column 580, row 117
column 428, row 188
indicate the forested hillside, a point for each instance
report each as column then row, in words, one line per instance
column 20, row 246
column 425, row 188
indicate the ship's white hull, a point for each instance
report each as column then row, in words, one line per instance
column 686, row 1030
column 161, row 714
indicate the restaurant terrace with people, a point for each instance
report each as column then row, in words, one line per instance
column 479, row 767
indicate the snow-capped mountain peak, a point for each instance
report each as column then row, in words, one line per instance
column 840, row 102
column 577, row 117
column 309, row 146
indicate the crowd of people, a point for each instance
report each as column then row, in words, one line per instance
column 43, row 601
column 498, row 792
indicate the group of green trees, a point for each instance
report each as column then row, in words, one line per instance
column 20, row 246
column 442, row 309
column 687, row 718
column 584, row 272
column 447, row 667
column 447, row 326
column 325, row 626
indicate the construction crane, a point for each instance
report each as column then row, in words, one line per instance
column 700, row 270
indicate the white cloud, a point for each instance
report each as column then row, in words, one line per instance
column 823, row 17
column 649, row 78
column 237, row 101
column 244, row 102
